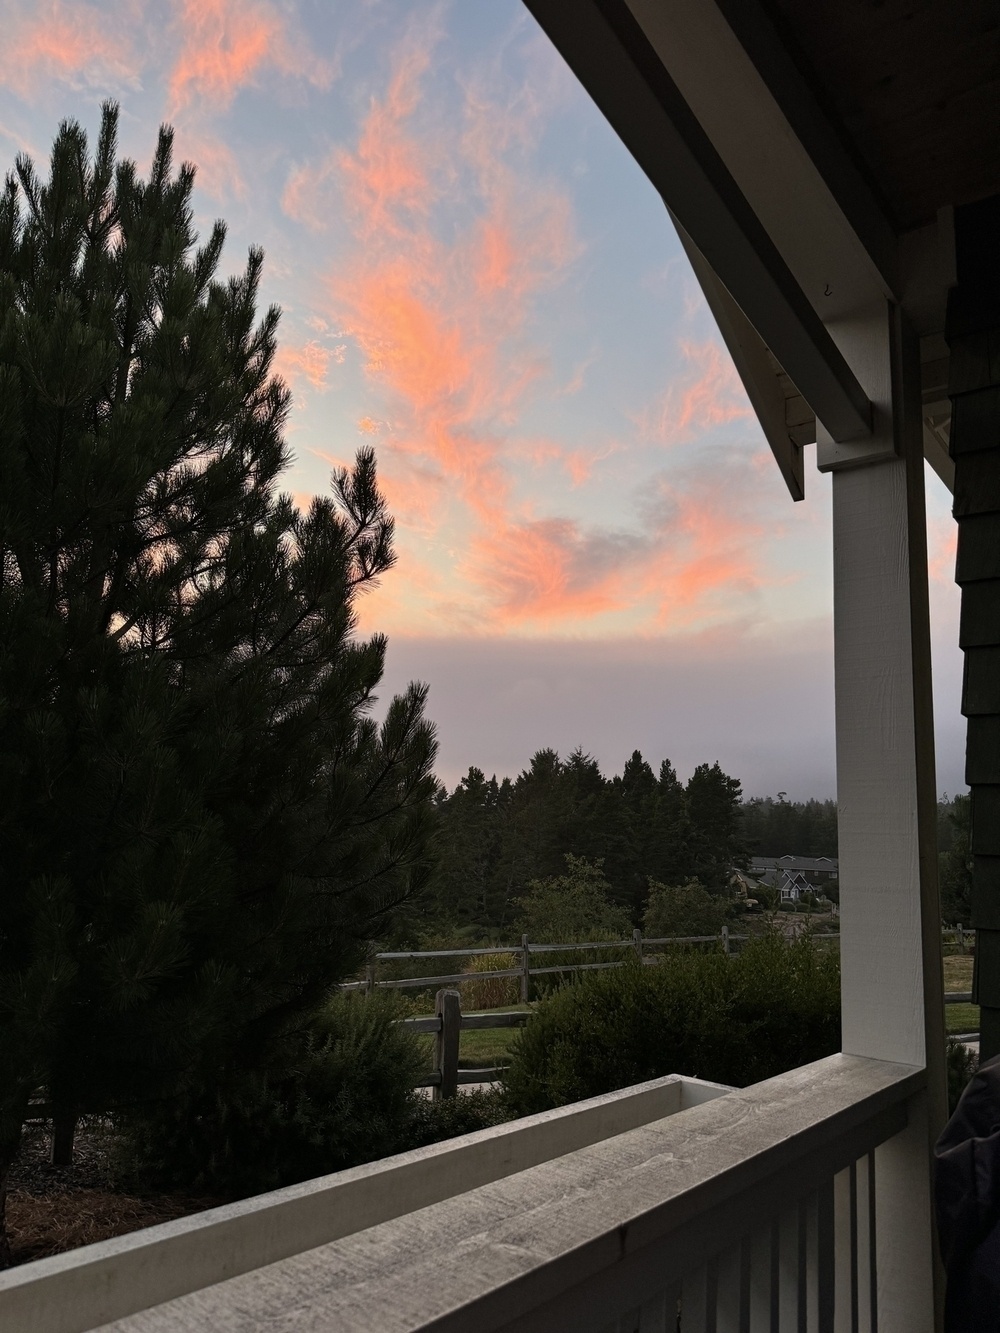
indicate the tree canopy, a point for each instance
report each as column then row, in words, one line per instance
column 202, row 824
column 496, row 838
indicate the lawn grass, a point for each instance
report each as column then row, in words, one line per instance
column 957, row 971
column 961, row 1017
column 958, row 977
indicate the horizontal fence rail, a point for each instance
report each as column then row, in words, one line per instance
column 636, row 947
column 447, row 1024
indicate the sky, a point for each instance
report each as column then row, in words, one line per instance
column 595, row 548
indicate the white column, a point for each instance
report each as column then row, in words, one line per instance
column 892, row 1002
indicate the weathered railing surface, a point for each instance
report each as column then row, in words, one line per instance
column 93, row 1286
column 759, row 1209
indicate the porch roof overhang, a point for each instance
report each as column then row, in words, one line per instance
column 811, row 153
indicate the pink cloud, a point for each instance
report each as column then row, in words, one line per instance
column 439, row 324
column 442, row 319
column 219, row 174
column 708, row 395
column 942, row 548
column 678, row 569
column 71, row 43
column 309, row 362
column 227, row 44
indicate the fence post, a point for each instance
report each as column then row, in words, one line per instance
column 725, row 939
column 637, row 943
column 960, row 935
column 370, row 976
column 525, row 969
column 448, row 1007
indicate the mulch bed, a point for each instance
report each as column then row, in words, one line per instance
column 51, row 1209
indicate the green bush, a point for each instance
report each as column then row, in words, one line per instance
column 734, row 1020
column 688, row 909
column 567, row 908
column 478, row 1108
column 345, row 1097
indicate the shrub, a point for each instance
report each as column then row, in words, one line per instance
column 566, row 908
column 491, row 992
column 477, row 1109
column 685, row 910
column 345, row 1097
column 731, row 1020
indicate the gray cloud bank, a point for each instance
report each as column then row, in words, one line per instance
column 762, row 707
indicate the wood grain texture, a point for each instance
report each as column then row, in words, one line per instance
column 497, row 1256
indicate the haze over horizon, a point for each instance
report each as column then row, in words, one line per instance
column 595, row 547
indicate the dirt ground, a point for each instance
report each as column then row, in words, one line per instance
column 51, row 1209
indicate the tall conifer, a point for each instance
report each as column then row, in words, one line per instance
column 200, row 825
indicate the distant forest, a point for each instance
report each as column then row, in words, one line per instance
column 496, row 839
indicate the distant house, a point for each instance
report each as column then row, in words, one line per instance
column 793, row 876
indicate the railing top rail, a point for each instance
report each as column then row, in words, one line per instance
column 98, row 1284
column 491, row 1256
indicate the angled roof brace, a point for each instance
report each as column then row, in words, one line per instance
column 756, row 368
column 607, row 49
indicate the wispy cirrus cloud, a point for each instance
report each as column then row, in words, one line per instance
column 308, row 361
column 442, row 312
column 228, row 44
column 67, row 43
column 679, row 565
column 707, row 394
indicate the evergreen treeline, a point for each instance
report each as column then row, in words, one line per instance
column 495, row 838
column 776, row 826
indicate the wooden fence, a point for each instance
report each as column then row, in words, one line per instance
column 523, row 971
column 639, row 944
column 448, row 1022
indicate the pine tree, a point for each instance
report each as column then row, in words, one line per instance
column 201, row 825
column 713, row 807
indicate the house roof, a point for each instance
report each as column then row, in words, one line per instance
column 793, row 863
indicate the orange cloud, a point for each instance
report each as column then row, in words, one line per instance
column 228, row 43
column 942, row 549
column 692, row 551
column 439, row 323
column 441, row 315
column 709, row 395
column 71, row 43
column 310, row 362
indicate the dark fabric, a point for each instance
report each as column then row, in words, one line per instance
column 967, row 1198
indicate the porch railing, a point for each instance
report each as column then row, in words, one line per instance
column 761, row 1208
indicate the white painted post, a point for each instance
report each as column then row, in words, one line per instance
column 891, row 982
column 525, row 970
column 448, row 1007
